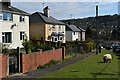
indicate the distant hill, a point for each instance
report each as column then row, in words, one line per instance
column 104, row 22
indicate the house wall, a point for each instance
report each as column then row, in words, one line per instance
column 74, row 37
column 5, row 26
column 83, row 36
column 32, row 61
column 68, row 35
column 49, row 31
column 37, row 29
column 42, row 30
column 79, row 36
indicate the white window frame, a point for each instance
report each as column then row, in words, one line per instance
column 23, row 18
column 1, row 16
column 22, row 36
column 5, row 41
column 53, row 27
column 60, row 38
column 49, row 27
column 59, row 27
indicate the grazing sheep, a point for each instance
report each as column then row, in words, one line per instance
column 107, row 57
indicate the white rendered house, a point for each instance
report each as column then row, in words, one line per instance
column 73, row 33
column 14, row 24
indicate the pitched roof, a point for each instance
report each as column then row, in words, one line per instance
column 72, row 28
column 39, row 17
column 15, row 10
column 81, row 29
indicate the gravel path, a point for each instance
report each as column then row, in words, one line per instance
column 39, row 72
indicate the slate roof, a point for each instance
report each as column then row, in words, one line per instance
column 81, row 29
column 39, row 17
column 15, row 10
column 72, row 28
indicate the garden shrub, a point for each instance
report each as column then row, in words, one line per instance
column 41, row 66
column 86, row 47
column 35, row 38
column 5, row 48
column 27, row 45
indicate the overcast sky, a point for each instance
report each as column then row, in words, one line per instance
column 62, row 10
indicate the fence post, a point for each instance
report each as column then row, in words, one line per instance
column 63, row 52
column 18, row 52
column 8, row 65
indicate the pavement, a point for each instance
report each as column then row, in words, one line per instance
column 39, row 72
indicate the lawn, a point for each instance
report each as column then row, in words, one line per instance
column 91, row 67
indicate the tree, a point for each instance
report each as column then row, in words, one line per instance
column 88, row 33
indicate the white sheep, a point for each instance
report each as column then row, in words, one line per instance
column 107, row 57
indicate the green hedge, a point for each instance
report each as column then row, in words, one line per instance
column 87, row 46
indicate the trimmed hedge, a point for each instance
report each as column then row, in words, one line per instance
column 87, row 46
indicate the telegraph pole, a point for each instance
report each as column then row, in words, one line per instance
column 96, row 29
column 118, row 20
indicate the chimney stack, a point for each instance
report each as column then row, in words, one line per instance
column 46, row 11
column 4, row 4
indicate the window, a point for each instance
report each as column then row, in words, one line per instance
column 22, row 18
column 41, row 38
column 60, row 38
column 7, row 16
column 48, row 37
column 55, row 39
column 6, row 37
column 49, row 27
column 53, row 27
column 59, row 27
column 74, row 33
column 1, row 16
column 22, row 35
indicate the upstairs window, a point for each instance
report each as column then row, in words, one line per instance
column 22, row 18
column 74, row 33
column 49, row 27
column 59, row 27
column 7, row 16
column 53, row 27
column 6, row 37
column 22, row 35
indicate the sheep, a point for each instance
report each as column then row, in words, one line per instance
column 107, row 57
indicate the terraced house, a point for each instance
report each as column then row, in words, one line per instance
column 14, row 23
column 46, row 27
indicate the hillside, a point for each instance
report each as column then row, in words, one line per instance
column 106, row 21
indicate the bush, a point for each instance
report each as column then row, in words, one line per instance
column 40, row 66
column 27, row 45
column 35, row 38
column 5, row 48
column 86, row 47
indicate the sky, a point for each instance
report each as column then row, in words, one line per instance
column 67, row 10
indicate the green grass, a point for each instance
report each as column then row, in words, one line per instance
column 91, row 67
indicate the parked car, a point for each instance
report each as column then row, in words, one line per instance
column 117, row 51
column 115, row 47
column 108, row 47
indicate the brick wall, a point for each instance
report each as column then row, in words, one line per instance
column 32, row 61
column 3, row 65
